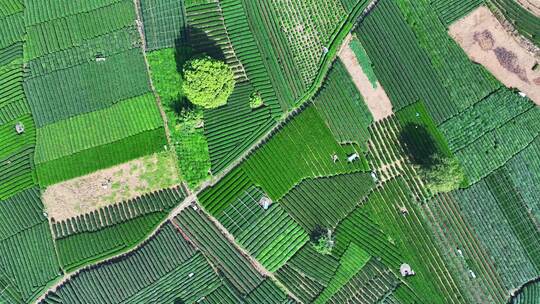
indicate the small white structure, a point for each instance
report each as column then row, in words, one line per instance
column 403, row 210
column 471, row 274
column 19, row 128
column 353, row 157
column 459, row 252
column 406, row 270
column 100, row 58
column 265, row 202
column 374, row 176
column 325, row 50
column 191, row 274
column 335, row 158
column 522, row 94
column 194, row 207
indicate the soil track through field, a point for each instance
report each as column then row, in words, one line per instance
column 335, row 45
column 140, row 28
column 376, row 99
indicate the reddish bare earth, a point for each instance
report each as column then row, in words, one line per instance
column 376, row 99
column 487, row 42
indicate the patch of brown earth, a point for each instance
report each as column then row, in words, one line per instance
column 376, row 99
column 108, row 186
column 486, row 41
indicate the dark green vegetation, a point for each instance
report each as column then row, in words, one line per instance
column 164, row 23
column 302, row 148
column 102, row 233
column 207, row 82
column 25, row 246
column 392, row 47
column 528, row 295
column 147, row 273
column 187, row 136
column 523, row 21
column 76, row 146
column 450, row 11
column 327, row 208
column 341, row 106
column 88, row 89
column 16, row 150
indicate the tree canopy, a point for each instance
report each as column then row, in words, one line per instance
column 446, row 175
column 207, row 82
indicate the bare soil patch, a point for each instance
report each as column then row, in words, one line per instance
column 376, row 99
column 108, row 186
column 486, row 42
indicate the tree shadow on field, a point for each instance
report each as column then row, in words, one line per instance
column 419, row 145
column 192, row 43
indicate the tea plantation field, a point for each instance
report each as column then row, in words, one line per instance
column 267, row 151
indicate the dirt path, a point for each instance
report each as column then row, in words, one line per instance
column 140, row 27
column 258, row 266
column 376, row 99
column 487, row 42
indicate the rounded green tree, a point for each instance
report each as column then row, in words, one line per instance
column 207, row 82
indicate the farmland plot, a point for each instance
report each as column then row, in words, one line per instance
column 17, row 150
column 103, row 46
column 462, row 248
column 303, row 148
column 93, row 85
column 230, row 262
column 402, row 66
column 65, row 148
column 487, row 42
column 271, row 236
column 27, row 255
column 104, row 187
column 244, row 44
column 342, row 107
column 524, row 21
column 360, row 67
column 307, row 273
column 465, row 81
column 325, row 201
column 276, row 54
column 450, row 11
column 232, row 128
column 433, row 280
column 351, row 262
column 524, row 170
column 164, row 23
column 308, row 27
column 99, row 234
column 486, row 115
column 62, row 33
column 481, row 208
column 12, row 29
column 497, row 146
column 159, row 270
column 371, row 284
column 266, row 293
